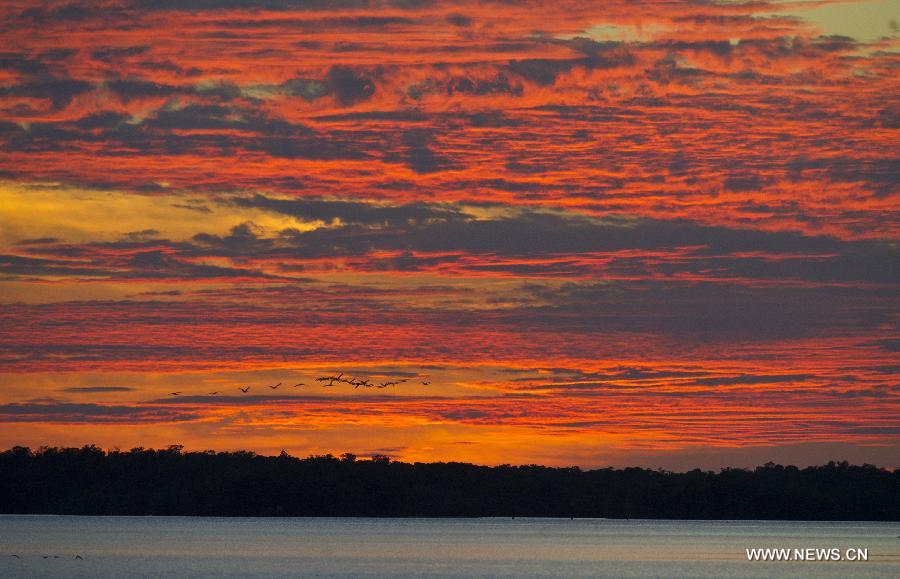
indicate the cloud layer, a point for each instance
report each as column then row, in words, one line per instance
column 595, row 230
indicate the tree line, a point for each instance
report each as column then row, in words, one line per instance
column 91, row 481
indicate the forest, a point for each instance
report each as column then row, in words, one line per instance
column 91, row 481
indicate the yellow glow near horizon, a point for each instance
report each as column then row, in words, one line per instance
column 81, row 215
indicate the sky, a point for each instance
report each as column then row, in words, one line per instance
column 658, row 233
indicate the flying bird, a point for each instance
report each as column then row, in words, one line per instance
column 212, row 393
column 16, row 556
column 174, row 393
column 275, row 386
column 244, row 390
column 299, row 384
column 425, row 383
column 79, row 557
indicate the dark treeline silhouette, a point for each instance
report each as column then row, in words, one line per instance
column 89, row 481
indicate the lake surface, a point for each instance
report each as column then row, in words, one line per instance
column 349, row 547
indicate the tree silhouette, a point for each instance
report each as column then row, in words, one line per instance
column 90, row 481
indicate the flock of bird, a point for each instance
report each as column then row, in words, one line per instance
column 331, row 380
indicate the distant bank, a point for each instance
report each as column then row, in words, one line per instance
column 89, row 481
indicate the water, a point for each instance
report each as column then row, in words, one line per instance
column 346, row 547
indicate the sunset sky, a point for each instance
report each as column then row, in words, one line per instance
column 656, row 233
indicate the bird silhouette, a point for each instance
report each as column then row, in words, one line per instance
column 213, row 393
column 79, row 557
column 16, row 556
column 275, row 386
column 244, row 390
column 299, row 384
column 174, row 393
column 425, row 383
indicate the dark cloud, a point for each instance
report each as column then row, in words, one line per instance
column 210, row 116
column 197, row 5
column 67, row 413
column 59, row 92
column 521, row 234
column 498, row 83
column 115, row 53
column 889, row 344
column 39, row 241
column 131, row 89
column 186, row 130
column 193, row 207
column 541, row 71
column 703, row 312
column 751, row 379
column 159, row 264
column 356, row 212
column 168, row 66
column 74, row 11
column 618, row 373
column 746, row 182
column 334, row 399
column 23, row 64
column 598, row 55
column 404, row 116
column 420, row 156
column 142, row 235
column 316, row 24
column 722, row 48
column 529, row 234
column 15, row 265
column 880, row 174
column 350, row 85
column 460, row 20
column 137, row 263
column 362, row 21
column 98, row 389
column 242, row 240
